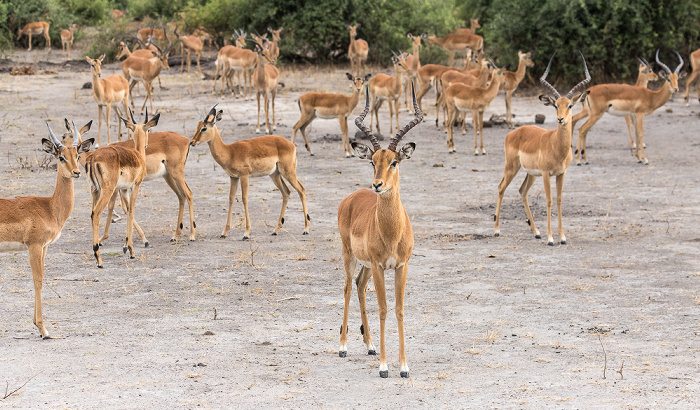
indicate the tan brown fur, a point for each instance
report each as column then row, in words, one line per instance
column 67, row 39
column 513, row 80
column 267, row 155
column 458, row 43
column 106, row 92
column 265, row 79
column 192, row 45
column 383, row 87
column 693, row 77
column 357, row 51
column 36, row 28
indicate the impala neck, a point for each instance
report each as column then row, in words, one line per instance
column 642, row 82
column 562, row 142
column 97, row 87
column 416, row 55
column 389, row 218
column 439, row 41
column 355, row 98
column 520, row 72
column 62, row 198
column 352, row 42
column 398, row 75
column 661, row 96
column 260, row 70
column 218, row 148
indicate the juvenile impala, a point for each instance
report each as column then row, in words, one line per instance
column 541, row 152
column 146, row 52
column 67, row 39
column 383, row 87
column 376, row 232
column 106, row 92
column 146, row 70
column 513, row 79
column 235, row 60
column 329, row 106
column 267, row 155
column 265, row 79
column 357, row 51
column 625, row 100
column 116, row 168
column 32, row 223
column 36, row 28
column 413, row 62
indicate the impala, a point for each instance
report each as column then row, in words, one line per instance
column 235, row 60
column 624, row 100
column 36, row 28
column 430, row 73
column 383, row 87
column 541, row 152
column 644, row 75
column 107, row 91
column 267, row 155
column 413, row 62
column 329, row 106
column 117, row 14
column 145, row 69
column 695, row 65
column 67, row 39
column 33, row 223
column 166, row 157
column 461, row 97
column 265, row 79
column 357, row 51
column 145, row 52
column 116, row 168
column 458, row 43
column 274, row 46
column 376, row 232
column 478, row 77
column 150, row 33
column 471, row 30
column 191, row 44
column 513, row 79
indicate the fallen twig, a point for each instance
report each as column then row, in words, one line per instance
column 17, row 389
column 605, row 366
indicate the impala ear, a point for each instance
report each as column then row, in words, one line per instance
column 362, row 150
column 152, row 122
column 49, row 147
column 406, row 151
column 350, row 77
column 65, row 121
column 86, row 145
column 547, row 100
column 367, row 77
column 583, row 96
column 219, row 115
column 85, row 128
column 682, row 75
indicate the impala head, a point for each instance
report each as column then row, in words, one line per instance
column 671, row 76
column 646, row 71
column 264, row 52
column 386, row 161
column 353, row 30
column 96, row 65
column 527, row 58
column 239, row 38
column 275, row 33
column 68, row 137
column 475, row 24
column 121, row 49
column 140, row 130
column 205, row 126
column 399, row 60
column 162, row 56
column 67, row 155
column 358, row 82
column 416, row 40
column 564, row 105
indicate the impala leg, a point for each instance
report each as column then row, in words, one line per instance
column 108, row 112
column 304, row 121
column 99, row 202
column 131, row 95
column 183, row 192
column 451, row 114
column 452, row 58
column 583, row 134
column 290, row 174
column 397, row 107
column 48, row 40
column 199, row 68
column 376, row 106
column 400, row 288
column 628, row 120
column 343, row 120
column 36, row 261
column 379, row 286
column 182, row 61
column 110, row 211
column 284, row 190
column 475, row 122
column 216, row 73
column 511, row 170
column 99, row 123
column 350, row 262
column 244, row 199
column 30, row 41
column 481, row 131
column 361, row 281
column 267, row 112
column 257, row 95
column 136, row 224
column 231, row 198
column 274, row 121
column 391, row 116
column 688, row 84
column 423, row 90
column 560, row 186
column 189, row 62
column 131, row 197
column 125, row 101
column 548, row 192
column 509, row 116
column 639, row 130
column 524, row 189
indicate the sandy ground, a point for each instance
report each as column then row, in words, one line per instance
column 503, row 322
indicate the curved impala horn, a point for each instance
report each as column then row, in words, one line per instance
column 201, row 115
column 678, row 69
column 363, row 127
column 133, row 121
column 413, row 123
column 212, row 111
column 55, row 140
column 76, row 137
column 641, row 62
column 582, row 83
column 544, row 81
column 664, row 66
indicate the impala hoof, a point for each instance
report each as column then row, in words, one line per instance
column 342, row 354
column 245, row 237
column 551, row 243
column 538, row 236
column 99, row 266
column 124, row 249
column 563, row 242
column 47, row 337
column 174, row 240
column 132, row 257
column 404, row 375
column 578, row 164
column 222, row 236
column 383, row 374
column 311, row 154
column 497, row 234
column 372, row 353
column 145, row 245
column 305, row 233
column 274, row 233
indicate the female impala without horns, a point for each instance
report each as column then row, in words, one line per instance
column 376, row 232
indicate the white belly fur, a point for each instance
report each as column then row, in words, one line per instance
column 158, row 174
column 12, row 247
column 535, row 172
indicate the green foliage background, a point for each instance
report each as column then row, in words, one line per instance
column 611, row 33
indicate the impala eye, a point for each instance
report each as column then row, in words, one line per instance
column 393, row 164
column 204, row 129
column 571, row 106
column 62, row 159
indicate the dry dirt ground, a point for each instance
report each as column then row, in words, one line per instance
column 505, row 322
